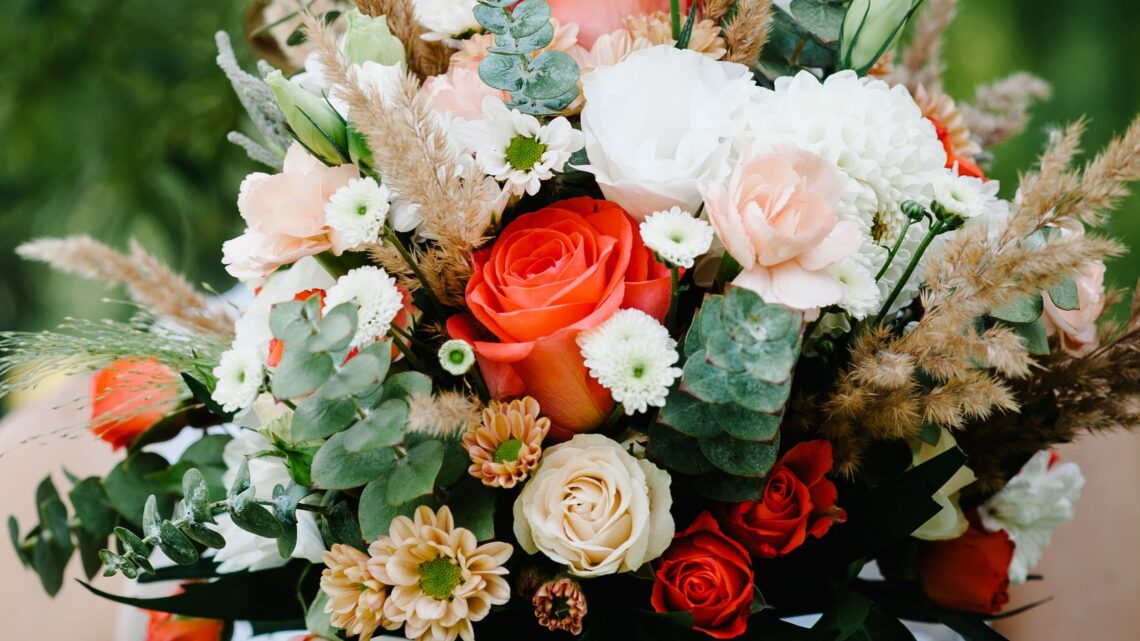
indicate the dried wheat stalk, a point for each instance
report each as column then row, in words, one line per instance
column 746, row 34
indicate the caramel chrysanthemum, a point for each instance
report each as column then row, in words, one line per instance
column 356, row 598
column 560, row 605
column 656, row 28
column 507, row 444
column 941, row 108
column 442, row 579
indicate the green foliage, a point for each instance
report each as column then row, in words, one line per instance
column 802, row 38
column 722, row 422
column 543, row 84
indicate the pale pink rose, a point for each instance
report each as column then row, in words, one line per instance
column 1077, row 328
column 459, row 93
column 776, row 217
column 595, row 18
column 284, row 215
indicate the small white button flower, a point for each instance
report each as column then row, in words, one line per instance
column 355, row 214
column 376, row 298
column 966, row 196
column 445, row 19
column 677, row 236
column 516, row 149
column 860, row 293
column 632, row 355
column 457, row 356
column 239, row 372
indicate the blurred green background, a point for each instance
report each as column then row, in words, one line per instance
column 113, row 119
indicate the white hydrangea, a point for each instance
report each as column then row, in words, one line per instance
column 240, row 373
column 677, row 236
column 515, row 148
column 877, row 136
column 1033, row 504
column 968, row 197
column 632, row 355
column 376, row 298
column 356, row 213
column 456, row 356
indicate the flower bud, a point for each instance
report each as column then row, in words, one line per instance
column 369, row 39
column 313, row 120
column 870, row 29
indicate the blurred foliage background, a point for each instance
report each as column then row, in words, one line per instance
column 113, row 119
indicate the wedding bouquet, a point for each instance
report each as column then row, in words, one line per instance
column 622, row 319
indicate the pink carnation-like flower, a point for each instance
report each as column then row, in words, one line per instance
column 459, row 93
column 1077, row 328
column 595, row 18
column 776, row 216
column 284, row 215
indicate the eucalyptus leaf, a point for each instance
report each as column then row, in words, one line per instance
column 383, row 427
column 335, row 330
column 741, row 458
column 822, row 20
column 241, row 479
column 318, row 417
column 336, row 468
column 128, row 487
column 1034, row 336
column 300, row 372
column 252, row 517
column 375, row 511
column 1024, row 310
column 494, row 19
column 361, row 374
column 176, row 545
column 528, row 17
column 1065, row 294
column 473, row 506
column 202, row 534
column 151, row 523
column 92, row 507
column 414, row 474
column 501, row 71
column 554, row 73
column 196, row 494
column 677, row 451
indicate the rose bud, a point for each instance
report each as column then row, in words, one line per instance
column 970, row 572
column 870, row 29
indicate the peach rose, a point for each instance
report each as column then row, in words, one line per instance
column 776, row 217
column 595, row 18
column 550, row 275
column 284, row 215
column 1077, row 328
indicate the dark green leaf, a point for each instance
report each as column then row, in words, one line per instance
column 128, row 487
column 252, row 517
column 336, row 468
column 677, row 451
column 204, row 395
column 1034, row 336
column 1065, row 294
column 299, row 373
column 17, row 541
column 204, row 535
column 92, row 507
column 50, row 561
column 689, row 415
column 335, row 330
column 89, row 547
column 375, row 512
column 414, row 474
column 455, row 463
column 318, row 417
column 473, row 505
column 339, row 525
column 176, row 545
column 821, row 19
column 1025, row 310
column 725, row 487
column 196, row 494
column 151, row 522
column 241, row 480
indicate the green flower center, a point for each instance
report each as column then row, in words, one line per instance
column 439, row 577
column 507, row 451
column 361, row 209
column 524, row 152
column 457, row 356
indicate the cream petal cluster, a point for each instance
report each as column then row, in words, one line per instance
column 594, row 508
column 1038, row 500
column 874, row 134
column 660, row 122
column 441, row 579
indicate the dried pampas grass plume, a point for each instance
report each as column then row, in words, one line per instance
column 922, row 60
column 746, row 35
column 447, row 414
column 149, row 282
column 1000, row 109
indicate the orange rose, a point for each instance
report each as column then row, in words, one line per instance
column 130, row 396
column 970, row 572
column 168, row 627
column 550, row 275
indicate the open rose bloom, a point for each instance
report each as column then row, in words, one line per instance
column 614, row 319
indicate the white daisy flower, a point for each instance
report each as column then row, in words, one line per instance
column 457, row 356
column 515, row 148
column 967, row 196
column 632, row 355
column 356, row 213
column 240, row 373
column 860, row 296
column 376, row 298
column 677, row 236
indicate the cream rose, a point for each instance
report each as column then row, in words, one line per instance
column 595, row 508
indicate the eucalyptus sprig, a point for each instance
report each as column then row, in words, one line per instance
column 540, row 84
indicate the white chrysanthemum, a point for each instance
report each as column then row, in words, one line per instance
column 356, row 213
column 239, row 372
column 632, row 355
column 1033, row 504
column 876, row 135
column 445, row 19
column 456, row 356
column 967, row 196
column 677, row 236
column 515, row 148
column 861, row 295
column 376, row 298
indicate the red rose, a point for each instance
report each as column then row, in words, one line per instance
column 550, row 275
column 130, row 396
column 168, row 627
column 798, row 500
column 970, row 572
column 708, row 575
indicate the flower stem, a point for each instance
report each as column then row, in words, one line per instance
column 675, row 13
column 391, row 237
column 406, row 350
column 894, row 250
column 937, row 228
column 674, row 297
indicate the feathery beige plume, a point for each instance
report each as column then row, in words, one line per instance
column 149, row 282
column 1000, row 110
column 716, row 9
column 922, row 60
column 746, row 34
column 442, row 415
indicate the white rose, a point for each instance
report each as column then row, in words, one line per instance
column 446, row 18
column 1033, row 504
column 660, row 122
column 595, row 508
